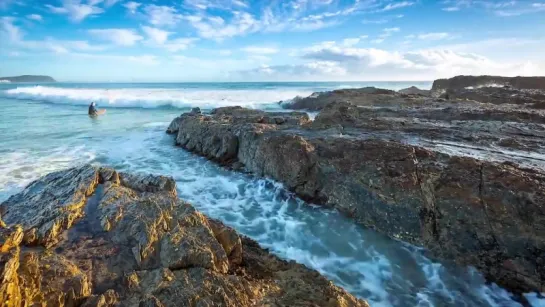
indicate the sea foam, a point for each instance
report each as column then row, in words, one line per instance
column 153, row 97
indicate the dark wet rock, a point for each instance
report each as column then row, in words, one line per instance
column 498, row 95
column 413, row 90
column 361, row 96
column 411, row 171
column 103, row 238
column 173, row 127
column 464, row 82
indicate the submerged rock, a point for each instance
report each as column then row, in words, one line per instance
column 409, row 171
column 94, row 237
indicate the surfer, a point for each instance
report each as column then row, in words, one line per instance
column 93, row 111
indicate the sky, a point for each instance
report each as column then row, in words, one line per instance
column 289, row 40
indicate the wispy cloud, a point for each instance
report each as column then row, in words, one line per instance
column 259, row 50
column 121, row 37
column 12, row 35
column 156, row 35
column 297, row 15
column 433, row 36
column 160, row 15
column 397, row 5
column 75, row 10
column 35, row 17
column 499, row 8
column 132, row 6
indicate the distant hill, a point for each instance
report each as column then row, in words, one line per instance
column 28, row 78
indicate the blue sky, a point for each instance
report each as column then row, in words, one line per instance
column 290, row 40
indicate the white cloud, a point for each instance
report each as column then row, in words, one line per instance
column 75, row 10
column 259, row 50
column 377, row 41
column 156, row 35
column 375, row 21
column 35, row 17
column 334, row 62
column 132, row 6
column 501, row 8
column 397, row 5
column 109, row 3
column 179, row 44
column 121, row 37
column 144, row 59
column 160, row 15
column 433, row 36
column 225, row 52
column 240, row 24
column 517, row 11
column 297, row 15
column 391, row 30
column 349, row 42
column 9, row 30
column 13, row 36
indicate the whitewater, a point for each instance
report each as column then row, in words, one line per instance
column 44, row 128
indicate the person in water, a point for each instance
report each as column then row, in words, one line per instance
column 92, row 109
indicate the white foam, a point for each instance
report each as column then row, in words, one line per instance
column 22, row 167
column 151, row 98
column 535, row 300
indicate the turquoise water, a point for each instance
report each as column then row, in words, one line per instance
column 46, row 128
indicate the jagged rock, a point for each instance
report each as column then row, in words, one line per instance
column 96, row 237
column 463, row 82
column 361, row 161
column 361, row 96
column 413, row 90
column 499, row 95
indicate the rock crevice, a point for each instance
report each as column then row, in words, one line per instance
column 407, row 165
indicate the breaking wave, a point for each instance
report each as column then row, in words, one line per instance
column 154, row 97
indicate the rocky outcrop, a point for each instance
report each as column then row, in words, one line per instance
column 413, row 90
column 91, row 236
column 464, row 82
column 362, row 96
column 411, row 171
column 28, row 78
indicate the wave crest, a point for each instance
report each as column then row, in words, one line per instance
column 153, row 97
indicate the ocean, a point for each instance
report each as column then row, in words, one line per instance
column 45, row 127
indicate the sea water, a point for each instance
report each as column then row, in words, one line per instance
column 45, row 127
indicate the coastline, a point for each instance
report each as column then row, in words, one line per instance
column 399, row 198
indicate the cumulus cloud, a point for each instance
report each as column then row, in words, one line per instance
column 327, row 61
column 121, row 37
column 75, row 10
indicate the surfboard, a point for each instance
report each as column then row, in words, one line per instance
column 99, row 112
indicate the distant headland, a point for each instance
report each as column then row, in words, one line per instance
column 27, row 78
